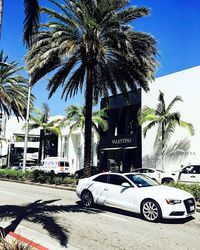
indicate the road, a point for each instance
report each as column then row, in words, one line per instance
column 58, row 213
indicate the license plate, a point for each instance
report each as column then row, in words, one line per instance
column 191, row 208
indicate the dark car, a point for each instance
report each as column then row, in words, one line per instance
column 94, row 170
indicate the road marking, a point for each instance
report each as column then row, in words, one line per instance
column 113, row 217
column 8, row 193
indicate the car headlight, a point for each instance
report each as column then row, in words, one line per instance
column 172, row 201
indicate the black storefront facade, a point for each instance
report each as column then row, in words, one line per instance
column 120, row 145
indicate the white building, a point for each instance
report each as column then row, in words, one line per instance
column 186, row 84
column 70, row 146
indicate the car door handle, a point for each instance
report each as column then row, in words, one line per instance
column 193, row 176
column 106, row 189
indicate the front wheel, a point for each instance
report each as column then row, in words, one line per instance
column 87, row 199
column 151, row 210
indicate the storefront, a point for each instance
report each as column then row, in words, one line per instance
column 120, row 146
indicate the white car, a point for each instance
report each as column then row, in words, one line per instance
column 156, row 174
column 151, row 172
column 137, row 193
column 188, row 174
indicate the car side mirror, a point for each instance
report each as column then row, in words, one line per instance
column 125, row 184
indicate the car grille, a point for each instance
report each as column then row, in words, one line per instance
column 189, row 205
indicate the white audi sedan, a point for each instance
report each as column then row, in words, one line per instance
column 137, row 193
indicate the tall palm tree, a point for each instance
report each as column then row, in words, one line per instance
column 94, row 50
column 40, row 119
column 13, row 88
column 75, row 117
column 167, row 121
column 31, row 19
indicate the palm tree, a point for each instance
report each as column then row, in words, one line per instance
column 31, row 19
column 166, row 121
column 40, row 119
column 75, row 117
column 94, row 50
column 13, row 88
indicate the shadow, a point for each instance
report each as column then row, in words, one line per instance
column 178, row 221
column 41, row 212
column 139, row 216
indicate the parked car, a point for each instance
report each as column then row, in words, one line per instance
column 19, row 166
column 187, row 174
column 55, row 165
column 94, row 170
column 151, row 172
column 157, row 175
column 137, row 193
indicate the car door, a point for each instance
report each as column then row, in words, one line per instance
column 118, row 196
column 99, row 189
column 190, row 174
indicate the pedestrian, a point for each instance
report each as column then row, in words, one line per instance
column 132, row 168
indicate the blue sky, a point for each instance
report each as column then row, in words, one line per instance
column 174, row 23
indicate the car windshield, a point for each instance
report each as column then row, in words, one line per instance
column 141, row 181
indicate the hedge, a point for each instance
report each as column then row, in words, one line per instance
column 37, row 177
column 194, row 189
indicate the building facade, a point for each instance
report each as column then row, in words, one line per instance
column 120, row 145
column 185, row 84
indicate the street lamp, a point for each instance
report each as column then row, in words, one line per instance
column 26, row 128
column 27, row 120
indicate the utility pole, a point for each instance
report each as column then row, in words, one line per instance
column 26, row 129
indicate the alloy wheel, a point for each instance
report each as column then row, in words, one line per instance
column 151, row 211
column 87, row 199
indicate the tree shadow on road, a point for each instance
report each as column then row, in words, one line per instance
column 135, row 215
column 40, row 212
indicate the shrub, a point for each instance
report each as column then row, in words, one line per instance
column 36, row 176
column 194, row 189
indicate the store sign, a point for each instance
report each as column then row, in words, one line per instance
column 122, row 141
column 119, row 141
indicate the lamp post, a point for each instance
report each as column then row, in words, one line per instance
column 27, row 119
column 26, row 128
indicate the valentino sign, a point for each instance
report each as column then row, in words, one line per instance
column 122, row 141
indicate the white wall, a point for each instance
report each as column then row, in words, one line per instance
column 186, row 84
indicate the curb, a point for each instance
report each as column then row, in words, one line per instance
column 22, row 239
column 69, row 188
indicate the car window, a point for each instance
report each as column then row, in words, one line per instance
column 188, row 170
column 149, row 171
column 197, row 169
column 116, row 179
column 141, row 180
column 101, row 178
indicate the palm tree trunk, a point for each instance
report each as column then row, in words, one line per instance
column 41, row 145
column 88, row 123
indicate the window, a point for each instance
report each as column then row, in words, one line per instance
column 149, row 171
column 188, row 170
column 191, row 169
column 116, row 179
column 101, row 178
column 65, row 144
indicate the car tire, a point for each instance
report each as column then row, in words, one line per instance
column 76, row 176
column 87, row 198
column 167, row 180
column 151, row 210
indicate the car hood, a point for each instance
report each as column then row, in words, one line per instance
column 167, row 192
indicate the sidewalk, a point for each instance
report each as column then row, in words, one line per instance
column 35, row 239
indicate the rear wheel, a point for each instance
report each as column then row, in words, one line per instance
column 87, row 199
column 151, row 211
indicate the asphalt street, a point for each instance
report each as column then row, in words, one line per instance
column 56, row 219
